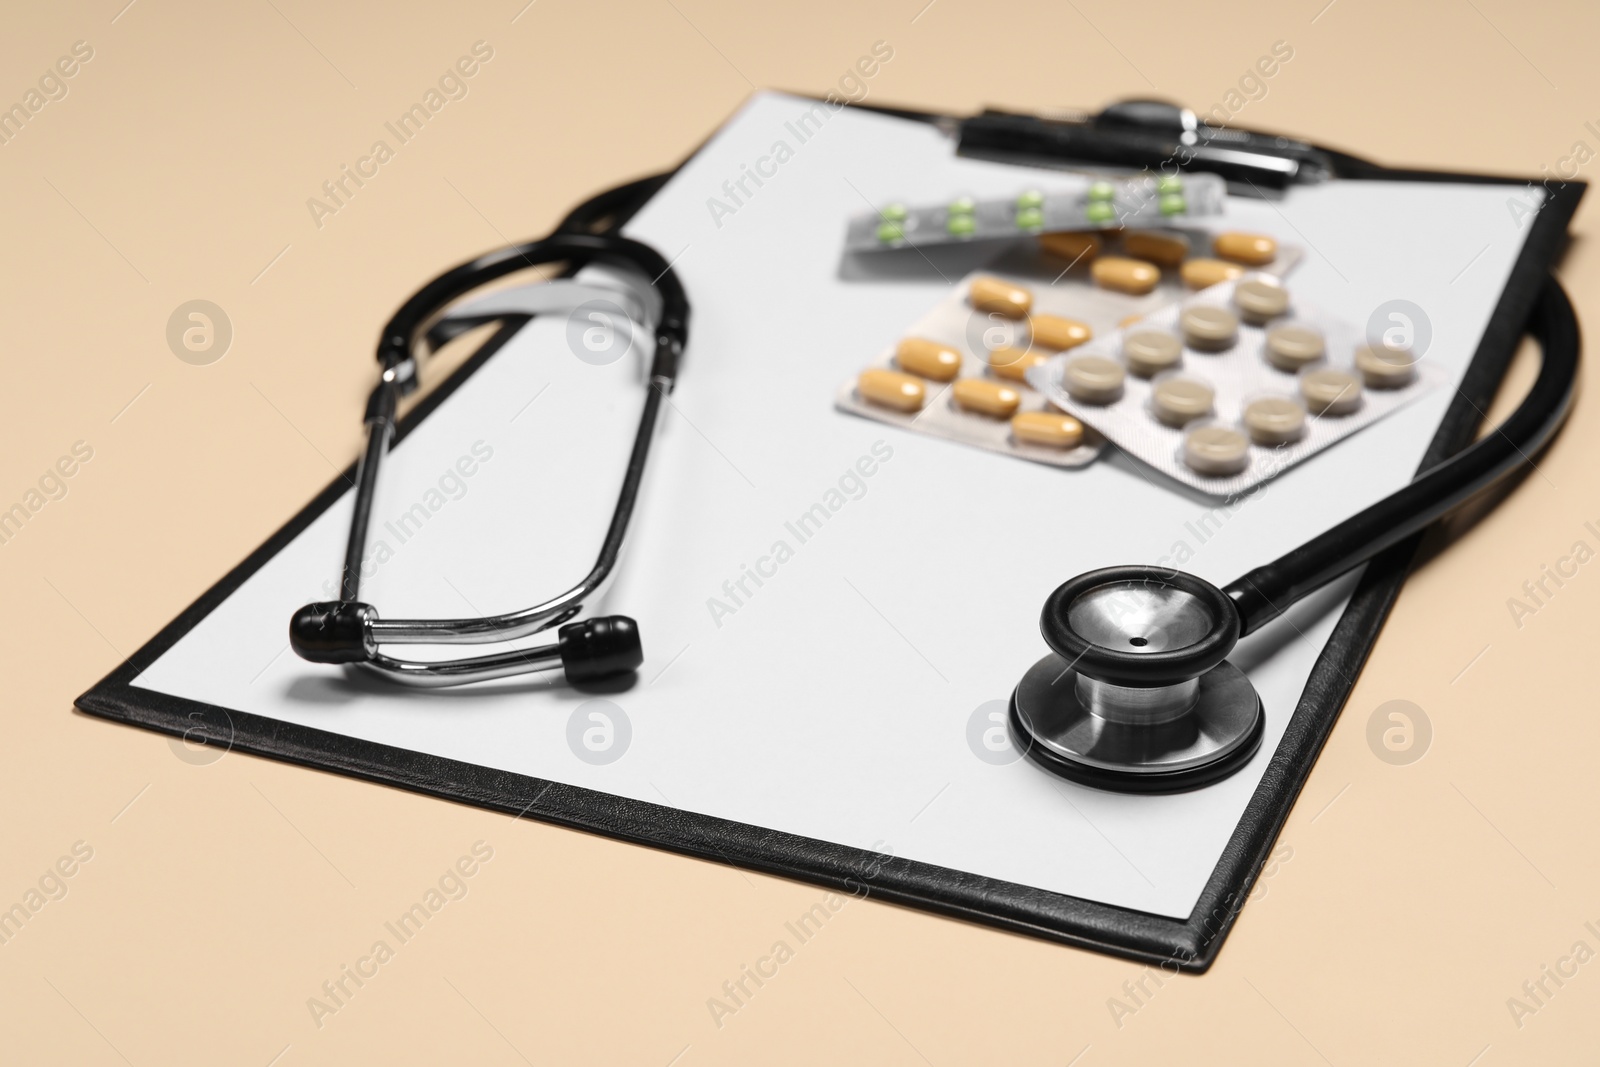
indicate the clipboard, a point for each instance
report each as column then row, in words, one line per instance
column 1189, row 943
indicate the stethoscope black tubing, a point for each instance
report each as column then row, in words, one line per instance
column 601, row 213
column 574, row 247
column 1267, row 591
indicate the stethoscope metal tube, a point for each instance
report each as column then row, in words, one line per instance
column 380, row 432
column 348, row 631
column 1137, row 694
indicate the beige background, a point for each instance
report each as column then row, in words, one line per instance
column 220, row 896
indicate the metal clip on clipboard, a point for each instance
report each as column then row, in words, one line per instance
column 1149, row 134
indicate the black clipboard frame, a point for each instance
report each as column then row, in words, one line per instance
column 1187, row 945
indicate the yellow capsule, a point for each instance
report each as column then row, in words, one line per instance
column 986, row 397
column 1125, row 275
column 1166, row 249
column 891, row 389
column 1053, row 331
column 930, row 359
column 1000, row 297
column 1072, row 247
column 1013, row 363
column 1252, row 249
column 1048, row 428
column 1129, row 320
column 1204, row 273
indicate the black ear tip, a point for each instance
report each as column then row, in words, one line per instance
column 600, row 648
column 331, row 631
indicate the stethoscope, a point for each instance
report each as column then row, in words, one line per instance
column 347, row 631
column 1136, row 694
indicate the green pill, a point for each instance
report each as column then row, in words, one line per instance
column 1030, row 218
column 894, row 213
column 1101, row 191
column 1173, row 204
column 1100, row 211
column 1033, row 198
column 963, row 205
column 1169, row 183
column 960, row 225
column 889, row 232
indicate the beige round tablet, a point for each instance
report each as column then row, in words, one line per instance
column 1260, row 298
column 1385, row 368
column 1051, row 429
column 1291, row 346
column 1151, row 350
column 1330, row 391
column 1216, row 449
column 1208, row 327
column 1274, row 420
column 1093, row 379
column 1177, row 400
column 1203, row 273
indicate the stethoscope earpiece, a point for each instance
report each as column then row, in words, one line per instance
column 1137, row 694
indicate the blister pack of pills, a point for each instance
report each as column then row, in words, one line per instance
column 1232, row 385
column 959, row 372
column 1088, row 204
column 1002, row 416
column 945, row 377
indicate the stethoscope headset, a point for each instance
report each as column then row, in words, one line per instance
column 351, row 632
column 1136, row 695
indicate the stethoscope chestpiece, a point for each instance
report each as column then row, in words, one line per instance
column 1137, row 695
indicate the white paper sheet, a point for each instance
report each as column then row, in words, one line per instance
column 834, row 700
